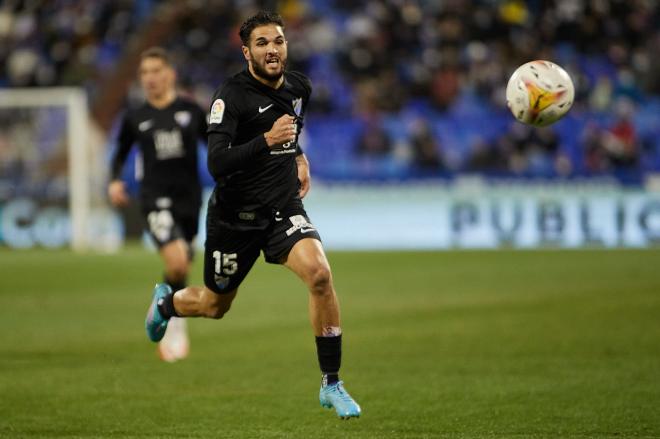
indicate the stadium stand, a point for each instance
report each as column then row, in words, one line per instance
column 404, row 70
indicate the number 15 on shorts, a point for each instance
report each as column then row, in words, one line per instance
column 225, row 263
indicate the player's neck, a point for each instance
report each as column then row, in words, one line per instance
column 163, row 100
column 272, row 84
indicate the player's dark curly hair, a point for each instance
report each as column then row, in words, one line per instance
column 260, row 19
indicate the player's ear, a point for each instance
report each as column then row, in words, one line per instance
column 246, row 53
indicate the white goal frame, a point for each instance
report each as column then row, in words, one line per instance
column 78, row 137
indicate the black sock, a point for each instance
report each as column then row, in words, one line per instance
column 166, row 306
column 176, row 285
column 329, row 353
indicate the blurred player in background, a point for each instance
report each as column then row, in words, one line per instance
column 261, row 177
column 167, row 129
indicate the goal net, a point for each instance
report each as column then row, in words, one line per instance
column 52, row 172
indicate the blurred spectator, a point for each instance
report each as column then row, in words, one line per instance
column 620, row 140
column 425, row 147
column 374, row 140
column 445, row 87
column 601, row 96
column 523, row 150
column 485, row 157
column 615, row 147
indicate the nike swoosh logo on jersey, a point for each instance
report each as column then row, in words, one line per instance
column 145, row 125
column 261, row 110
column 307, row 230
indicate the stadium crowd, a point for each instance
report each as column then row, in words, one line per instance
column 409, row 88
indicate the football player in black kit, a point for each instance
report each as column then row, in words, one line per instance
column 261, row 177
column 167, row 129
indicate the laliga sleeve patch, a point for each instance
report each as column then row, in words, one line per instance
column 217, row 111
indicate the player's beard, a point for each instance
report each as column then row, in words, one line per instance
column 261, row 71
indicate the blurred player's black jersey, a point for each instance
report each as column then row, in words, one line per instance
column 253, row 180
column 167, row 139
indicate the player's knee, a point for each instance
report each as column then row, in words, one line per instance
column 321, row 280
column 178, row 270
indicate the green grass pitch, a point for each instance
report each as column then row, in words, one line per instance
column 512, row 344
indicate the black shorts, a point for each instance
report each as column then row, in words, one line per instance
column 170, row 222
column 229, row 253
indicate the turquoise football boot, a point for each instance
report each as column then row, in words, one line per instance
column 334, row 395
column 155, row 323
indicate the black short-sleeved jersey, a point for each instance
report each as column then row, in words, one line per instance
column 167, row 139
column 253, row 180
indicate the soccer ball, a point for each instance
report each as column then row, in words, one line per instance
column 539, row 93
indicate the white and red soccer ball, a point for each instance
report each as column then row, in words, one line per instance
column 539, row 93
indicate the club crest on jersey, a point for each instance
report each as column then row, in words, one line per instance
column 182, row 118
column 145, row 125
column 217, row 111
column 297, row 106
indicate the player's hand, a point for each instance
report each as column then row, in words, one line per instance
column 284, row 130
column 303, row 175
column 117, row 193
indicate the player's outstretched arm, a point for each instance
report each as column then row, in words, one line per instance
column 117, row 189
column 117, row 193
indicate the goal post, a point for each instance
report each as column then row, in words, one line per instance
column 51, row 140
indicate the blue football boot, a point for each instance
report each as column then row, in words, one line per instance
column 155, row 323
column 334, row 395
